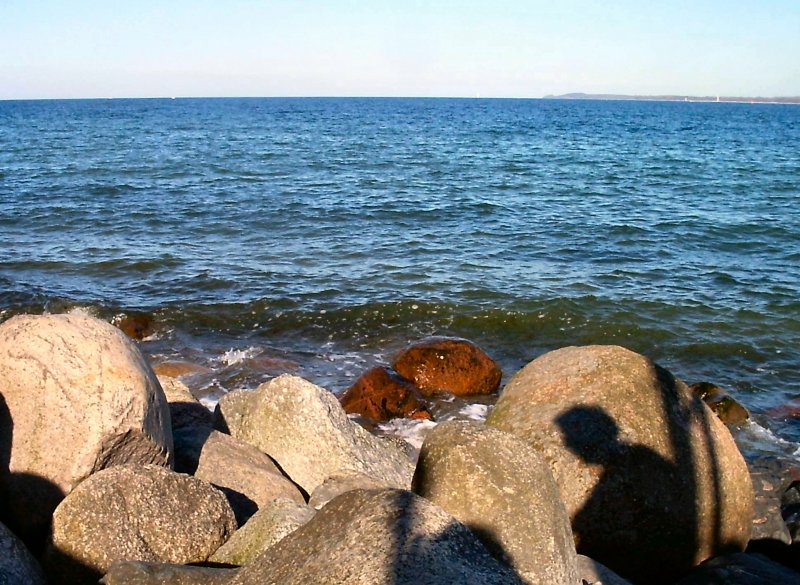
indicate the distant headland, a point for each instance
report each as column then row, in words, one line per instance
column 675, row 98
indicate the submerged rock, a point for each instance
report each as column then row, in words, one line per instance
column 652, row 480
column 499, row 486
column 381, row 394
column 77, row 397
column 268, row 526
column 721, row 403
column 305, row 430
column 144, row 513
column 446, row 364
column 380, row 537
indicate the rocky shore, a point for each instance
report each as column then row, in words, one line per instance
column 595, row 466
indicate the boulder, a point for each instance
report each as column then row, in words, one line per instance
column 305, row 430
column 652, row 480
column 772, row 479
column 721, row 403
column 378, row 537
column 139, row 573
column 247, row 477
column 268, row 526
column 446, row 364
column 741, row 569
column 136, row 326
column 17, row 565
column 135, row 512
column 77, row 397
column 381, row 394
column 184, row 409
column 339, row 484
column 594, row 573
column 499, row 486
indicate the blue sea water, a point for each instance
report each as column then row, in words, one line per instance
column 322, row 235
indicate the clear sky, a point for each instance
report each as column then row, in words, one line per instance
column 492, row 48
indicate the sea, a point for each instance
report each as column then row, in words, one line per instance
column 320, row 236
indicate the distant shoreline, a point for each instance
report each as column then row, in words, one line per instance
column 675, row 98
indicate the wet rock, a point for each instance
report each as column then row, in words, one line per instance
column 184, row 409
column 77, row 397
column 499, row 486
column 143, row 513
column 594, row 573
column 741, row 569
column 444, row 364
column 652, row 480
column 135, row 326
column 178, row 369
column 339, row 484
column 267, row 527
column 247, row 477
column 305, row 430
column 771, row 477
column 140, row 573
column 721, row 403
column 382, row 394
column 380, row 537
column 17, row 565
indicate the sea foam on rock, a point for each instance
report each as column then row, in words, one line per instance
column 77, row 397
column 501, row 488
column 652, row 480
column 305, row 430
column 378, row 537
column 135, row 512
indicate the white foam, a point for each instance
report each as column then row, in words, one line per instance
column 236, row 356
column 411, row 431
column 475, row 411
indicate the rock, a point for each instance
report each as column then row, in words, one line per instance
column 305, row 430
column 378, row 537
column 499, row 486
column 184, row 409
column 247, row 477
column 339, row 484
column 445, row 364
column 594, row 573
column 382, row 394
column 17, row 565
column 771, row 478
column 135, row 513
column 178, row 369
column 268, row 526
column 721, row 403
column 139, row 573
column 652, row 480
column 135, row 326
column 741, row 569
column 77, row 397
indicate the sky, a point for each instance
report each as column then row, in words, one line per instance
column 491, row 48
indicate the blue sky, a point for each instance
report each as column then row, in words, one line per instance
column 498, row 48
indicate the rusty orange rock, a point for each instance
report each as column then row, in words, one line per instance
column 381, row 394
column 178, row 368
column 448, row 364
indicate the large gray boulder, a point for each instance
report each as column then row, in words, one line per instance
column 17, row 565
column 247, row 477
column 136, row 512
column 76, row 397
column 652, row 480
column 268, row 526
column 499, row 486
column 378, row 537
column 305, row 430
